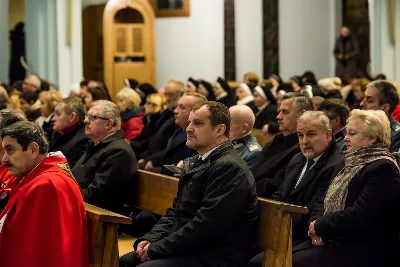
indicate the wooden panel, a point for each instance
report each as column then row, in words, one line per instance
column 229, row 40
column 270, row 37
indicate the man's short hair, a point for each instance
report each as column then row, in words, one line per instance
column 335, row 108
column 198, row 96
column 97, row 93
column 302, row 102
column 387, row 93
column 179, row 86
column 29, row 97
column 73, row 104
column 9, row 116
column 110, row 111
column 36, row 81
column 307, row 116
column 26, row 133
column 219, row 114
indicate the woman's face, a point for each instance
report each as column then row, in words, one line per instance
column 190, row 88
column 241, row 93
column 217, row 90
column 148, row 108
column 122, row 104
column 88, row 100
column 44, row 109
column 202, row 91
column 295, row 85
column 355, row 138
column 358, row 93
column 25, row 106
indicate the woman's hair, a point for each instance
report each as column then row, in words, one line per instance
column 252, row 78
column 363, row 82
column 374, row 123
column 50, row 98
column 15, row 103
column 29, row 97
column 158, row 102
column 133, row 99
column 97, row 93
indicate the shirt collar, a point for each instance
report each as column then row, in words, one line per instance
column 106, row 137
column 210, row 151
column 317, row 158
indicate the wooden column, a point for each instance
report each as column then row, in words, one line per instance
column 270, row 37
column 229, row 40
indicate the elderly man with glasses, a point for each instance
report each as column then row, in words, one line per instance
column 108, row 166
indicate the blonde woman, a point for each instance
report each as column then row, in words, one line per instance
column 154, row 106
column 48, row 101
column 128, row 102
column 357, row 223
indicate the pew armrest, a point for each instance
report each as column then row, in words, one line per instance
column 102, row 215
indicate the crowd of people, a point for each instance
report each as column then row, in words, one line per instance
column 331, row 151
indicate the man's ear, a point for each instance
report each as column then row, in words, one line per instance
column 110, row 124
column 72, row 117
column 221, row 130
column 386, row 108
column 34, row 149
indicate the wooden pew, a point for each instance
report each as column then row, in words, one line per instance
column 155, row 193
column 103, row 236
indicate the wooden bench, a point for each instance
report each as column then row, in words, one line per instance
column 103, row 236
column 155, row 193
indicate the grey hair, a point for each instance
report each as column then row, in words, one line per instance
column 323, row 120
column 110, row 111
column 302, row 102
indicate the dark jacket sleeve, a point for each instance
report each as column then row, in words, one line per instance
column 355, row 51
column 380, row 191
column 267, row 187
column 227, row 190
column 252, row 158
column 161, row 229
column 110, row 176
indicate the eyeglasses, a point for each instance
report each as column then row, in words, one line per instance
column 93, row 117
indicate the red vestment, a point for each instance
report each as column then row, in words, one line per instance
column 44, row 223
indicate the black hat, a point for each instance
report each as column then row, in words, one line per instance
column 145, row 89
column 131, row 83
column 194, row 82
column 276, row 77
column 224, row 85
column 208, row 86
column 266, row 91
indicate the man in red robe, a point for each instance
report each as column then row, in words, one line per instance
column 7, row 117
column 44, row 222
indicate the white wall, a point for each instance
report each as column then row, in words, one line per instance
column 249, row 37
column 4, row 44
column 306, row 28
column 192, row 46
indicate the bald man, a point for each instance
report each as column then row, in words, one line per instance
column 242, row 122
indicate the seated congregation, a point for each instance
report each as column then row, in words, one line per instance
column 336, row 161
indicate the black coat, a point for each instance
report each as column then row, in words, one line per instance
column 151, row 123
column 270, row 168
column 311, row 187
column 106, row 171
column 47, row 127
column 214, row 216
column 266, row 116
column 366, row 232
column 72, row 144
column 176, row 150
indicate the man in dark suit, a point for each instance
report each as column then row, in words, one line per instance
column 308, row 174
column 214, row 216
column 69, row 136
column 106, row 171
column 158, row 142
column 270, row 168
column 242, row 121
column 337, row 111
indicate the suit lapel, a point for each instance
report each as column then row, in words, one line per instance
column 178, row 139
column 290, row 181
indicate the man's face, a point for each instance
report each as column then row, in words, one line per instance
column 61, row 120
column 344, row 32
column 172, row 95
column 335, row 123
column 200, row 134
column 371, row 100
column 96, row 128
column 182, row 111
column 20, row 163
column 259, row 101
column 313, row 139
column 25, row 106
column 287, row 117
column 28, row 85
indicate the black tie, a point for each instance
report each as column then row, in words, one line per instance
column 310, row 162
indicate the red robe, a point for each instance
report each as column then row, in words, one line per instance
column 44, row 223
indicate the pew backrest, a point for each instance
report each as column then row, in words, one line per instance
column 156, row 192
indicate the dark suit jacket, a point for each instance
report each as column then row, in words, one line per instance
column 368, row 227
column 311, row 187
column 270, row 168
column 72, row 144
column 176, row 150
column 106, row 172
column 266, row 116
